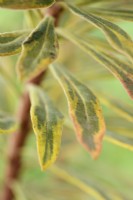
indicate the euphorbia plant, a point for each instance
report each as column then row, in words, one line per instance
column 39, row 49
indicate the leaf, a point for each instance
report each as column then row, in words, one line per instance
column 116, row 36
column 120, row 140
column 38, row 50
column 33, row 17
column 47, row 124
column 115, row 14
column 84, row 110
column 10, row 43
column 89, row 189
column 120, row 125
column 123, row 110
column 105, row 2
column 119, row 69
column 7, row 124
column 25, row 4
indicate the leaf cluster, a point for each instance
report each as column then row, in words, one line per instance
column 39, row 50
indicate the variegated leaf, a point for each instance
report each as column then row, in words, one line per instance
column 115, row 14
column 90, row 189
column 10, row 43
column 38, row 50
column 122, row 71
column 107, row 3
column 116, row 36
column 123, row 110
column 47, row 124
column 121, row 125
column 7, row 124
column 33, row 17
column 84, row 110
column 120, row 140
column 25, row 4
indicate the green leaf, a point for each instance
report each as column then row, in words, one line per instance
column 7, row 124
column 38, row 51
column 47, row 124
column 24, row 4
column 119, row 69
column 84, row 110
column 10, row 43
column 116, row 36
column 115, row 14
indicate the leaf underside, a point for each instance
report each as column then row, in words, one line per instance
column 84, row 110
column 47, row 124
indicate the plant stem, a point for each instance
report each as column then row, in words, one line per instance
column 18, row 139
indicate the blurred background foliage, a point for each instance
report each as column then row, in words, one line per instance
column 75, row 175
